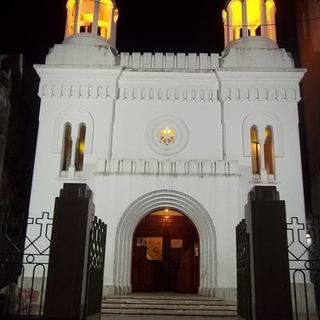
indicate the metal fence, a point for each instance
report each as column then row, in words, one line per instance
column 23, row 272
column 98, row 234
column 304, row 265
column 243, row 271
column 24, row 295
column 304, row 262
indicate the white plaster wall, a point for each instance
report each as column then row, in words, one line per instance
column 287, row 162
column 123, row 102
column 47, row 165
column 121, row 191
column 203, row 121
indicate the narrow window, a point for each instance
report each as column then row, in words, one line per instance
column 268, row 151
column 67, row 147
column 255, row 152
column 80, row 147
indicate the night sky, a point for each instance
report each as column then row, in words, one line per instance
column 34, row 26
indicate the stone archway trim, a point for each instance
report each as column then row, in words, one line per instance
column 151, row 202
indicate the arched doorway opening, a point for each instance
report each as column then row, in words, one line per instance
column 149, row 203
column 165, row 253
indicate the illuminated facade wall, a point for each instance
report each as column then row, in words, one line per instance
column 192, row 132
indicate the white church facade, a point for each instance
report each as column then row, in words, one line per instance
column 176, row 134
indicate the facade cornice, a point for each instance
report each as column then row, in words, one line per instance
column 261, row 93
column 81, row 90
column 259, row 74
column 176, row 86
column 171, row 86
column 72, row 82
column 169, row 93
column 76, row 72
column 260, row 85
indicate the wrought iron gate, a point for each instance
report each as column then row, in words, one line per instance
column 304, row 262
column 98, row 234
column 23, row 271
column 24, row 294
column 243, row 271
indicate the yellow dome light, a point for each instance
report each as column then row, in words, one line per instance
column 249, row 18
column 92, row 16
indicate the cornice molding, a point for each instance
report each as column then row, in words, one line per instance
column 69, row 90
column 171, row 94
column 260, row 93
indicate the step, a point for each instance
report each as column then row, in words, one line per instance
column 166, row 301
column 167, row 305
column 179, row 312
column 163, row 296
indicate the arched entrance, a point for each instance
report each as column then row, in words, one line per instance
column 165, row 253
column 148, row 203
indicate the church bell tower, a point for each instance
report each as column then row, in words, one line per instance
column 92, row 16
column 249, row 18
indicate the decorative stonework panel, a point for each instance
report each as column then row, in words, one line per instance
column 181, row 94
column 276, row 94
column 167, row 61
column 167, row 135
column 84, row 91
column 167, row 167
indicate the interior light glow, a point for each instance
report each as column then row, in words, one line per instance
column 85, row 21
column 254, row 17
column 81, row 147
column 256, row 25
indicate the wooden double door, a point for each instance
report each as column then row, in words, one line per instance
column 165, row 254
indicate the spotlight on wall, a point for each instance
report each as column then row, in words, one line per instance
column 309, row 239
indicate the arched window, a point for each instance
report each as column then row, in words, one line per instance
column 255, row 150
column 67, row 147
column 268, row 151
column 80, row 147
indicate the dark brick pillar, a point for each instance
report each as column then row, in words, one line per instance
column 73, row 216
column 270, row 279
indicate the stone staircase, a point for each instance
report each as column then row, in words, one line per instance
column 166, row 305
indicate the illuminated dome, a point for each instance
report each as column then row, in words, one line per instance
column 253, row 43
column 97, row 17
column 249, row 18
column 255, row 53
column 85, row 49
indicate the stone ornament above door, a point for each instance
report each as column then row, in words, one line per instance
column 167, row 135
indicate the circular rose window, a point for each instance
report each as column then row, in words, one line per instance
column 167, row 135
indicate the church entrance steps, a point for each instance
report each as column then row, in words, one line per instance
column 167, row 306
